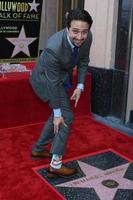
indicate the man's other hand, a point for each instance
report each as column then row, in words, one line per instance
column 57, row 122
column 76, row 96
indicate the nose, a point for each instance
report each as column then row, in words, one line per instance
column 80, row 36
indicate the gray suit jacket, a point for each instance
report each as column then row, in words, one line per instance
column 54, row 64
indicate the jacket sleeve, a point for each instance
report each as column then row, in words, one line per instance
column 52, row 73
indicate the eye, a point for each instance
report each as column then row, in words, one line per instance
column 75, row 31
column 85, row 32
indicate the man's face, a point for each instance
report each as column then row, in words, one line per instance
column 78, row 32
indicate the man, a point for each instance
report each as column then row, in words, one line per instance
column 51, row 80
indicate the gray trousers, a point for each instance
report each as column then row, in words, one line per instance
column 59, row 140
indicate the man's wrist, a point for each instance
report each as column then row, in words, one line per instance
column 57, row 112
column 80, row 86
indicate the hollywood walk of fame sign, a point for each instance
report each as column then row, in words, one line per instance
column 19, row 30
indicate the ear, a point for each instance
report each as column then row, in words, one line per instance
column 66, row 15
column 67, row 29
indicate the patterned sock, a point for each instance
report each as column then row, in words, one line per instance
column 56, row 161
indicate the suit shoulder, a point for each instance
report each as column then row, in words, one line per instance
column 89, row 38
column 56, row 40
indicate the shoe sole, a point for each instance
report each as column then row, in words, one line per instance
column 52, row 175
column 39, row 157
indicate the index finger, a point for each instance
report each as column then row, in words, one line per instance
column 76, row 102
column 56, row 129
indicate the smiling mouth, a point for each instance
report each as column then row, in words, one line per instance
column 79, row 43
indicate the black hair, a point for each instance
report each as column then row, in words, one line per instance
column 78, row 14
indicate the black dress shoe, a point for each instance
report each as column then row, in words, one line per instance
column 62, row 172
column 42, row 154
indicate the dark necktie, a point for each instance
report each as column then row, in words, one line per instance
column 68, row 81
column 75, row 55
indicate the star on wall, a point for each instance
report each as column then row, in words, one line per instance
column 21, row 43
column 33, row 5
column 105, row 182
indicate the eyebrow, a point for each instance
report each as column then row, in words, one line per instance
column 80, row 29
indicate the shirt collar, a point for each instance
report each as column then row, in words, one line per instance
column 69, row 41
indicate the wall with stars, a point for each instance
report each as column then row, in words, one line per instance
column 19, row 30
